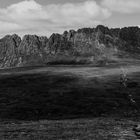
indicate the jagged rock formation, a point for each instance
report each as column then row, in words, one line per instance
column 9, row 50
column 31, row 50
column 87, row 45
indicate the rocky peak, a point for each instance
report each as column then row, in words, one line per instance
column 29, row 45
column 12, row 40
column 86, row 30
column 9, row 50
column 16, row 39
column 84, row 43
column 55, row 38
column 58, row 43
column 103, row 29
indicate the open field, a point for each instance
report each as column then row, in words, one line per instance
column 68, row 92
column 77, row 129
column 75, row 102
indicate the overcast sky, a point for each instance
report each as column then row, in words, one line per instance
column 43, row 17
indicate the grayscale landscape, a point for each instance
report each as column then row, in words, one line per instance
column 49, row 96
column 69, row 70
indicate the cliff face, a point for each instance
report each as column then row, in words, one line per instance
column 31, row 50
column 85, row 45
column 9, row 50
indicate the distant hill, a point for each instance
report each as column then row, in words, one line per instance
column 84, row 46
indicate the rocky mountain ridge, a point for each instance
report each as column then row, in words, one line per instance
column 84, row 46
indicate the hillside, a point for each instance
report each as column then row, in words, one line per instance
column 84, row 46
column 68, row 92
column 83, row 100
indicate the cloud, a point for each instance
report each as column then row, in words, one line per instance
column 29, row 16
column 11, row 26
column 122, row 6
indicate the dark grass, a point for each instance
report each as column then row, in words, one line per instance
column 76, row 129
column 52, row 95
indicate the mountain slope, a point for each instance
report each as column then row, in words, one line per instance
column 84, row 46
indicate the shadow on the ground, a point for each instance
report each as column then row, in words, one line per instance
column 57, row 96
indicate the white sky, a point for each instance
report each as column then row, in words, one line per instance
column 43, row 17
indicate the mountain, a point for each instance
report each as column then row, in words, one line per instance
column 84, row 46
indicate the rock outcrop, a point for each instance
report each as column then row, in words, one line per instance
column 31, row 50
column 9, row 50
column 87, row 45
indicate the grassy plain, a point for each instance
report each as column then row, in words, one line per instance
column 76, row 102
